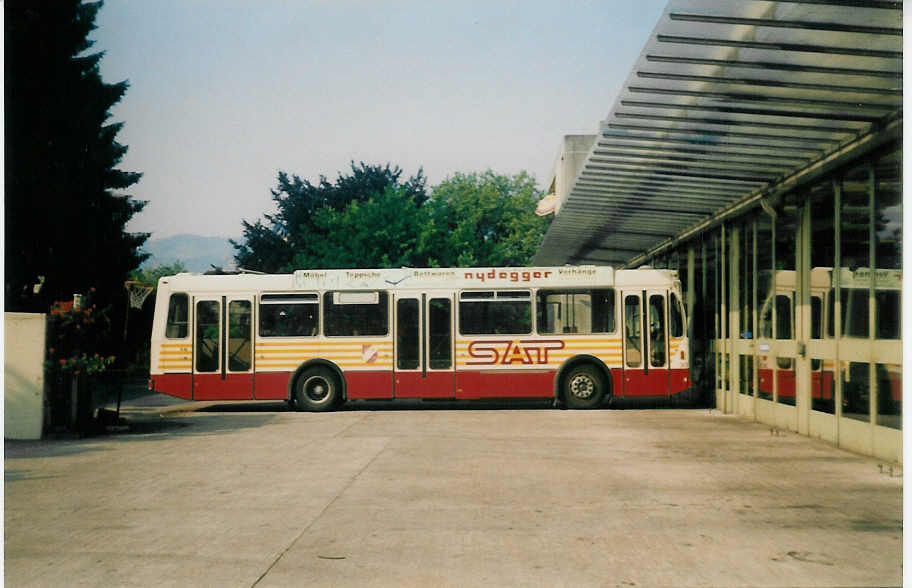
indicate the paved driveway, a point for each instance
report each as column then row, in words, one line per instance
column 397, row 495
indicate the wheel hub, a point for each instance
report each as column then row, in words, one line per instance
column 317, row 390
column 582, row 386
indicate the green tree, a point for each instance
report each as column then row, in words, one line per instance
column 485, row 219
column 65, row 212
column 151, row 275
column 293, row 235
column 387, row 230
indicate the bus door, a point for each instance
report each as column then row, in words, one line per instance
column 223, row 348
column 645, row 343
column 424, row 346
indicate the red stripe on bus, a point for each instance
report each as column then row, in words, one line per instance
column 464, row 384
column 617, row 382
column 272, row 385
column 504, row 384
column 425, row 385
column 232, row 387
column 679, row 381
column 369, row 385
column 178, row 385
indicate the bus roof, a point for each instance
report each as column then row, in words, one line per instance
column 427, row 278
column 823, row 277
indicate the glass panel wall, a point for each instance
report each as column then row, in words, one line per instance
column 889, row 395
column 702, row 321
column 856, row 390
column 712, row 265
column 822, row 203
column 823, row 385
column 765, row 301
column 745, row 280
column 855, row 246
column 888, row 283
column 848, row 298
column 855, row 287
column 725, row 329
column 788, row 219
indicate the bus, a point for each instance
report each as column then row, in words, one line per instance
column 855, row 288
column 317, row 338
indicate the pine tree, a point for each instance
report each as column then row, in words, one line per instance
column 65, row 210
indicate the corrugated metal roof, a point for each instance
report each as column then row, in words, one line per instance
column 727, row 99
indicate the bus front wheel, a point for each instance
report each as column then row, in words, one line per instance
column 584, row 387
column 316, row 390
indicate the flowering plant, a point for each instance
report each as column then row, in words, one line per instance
column 76, row 337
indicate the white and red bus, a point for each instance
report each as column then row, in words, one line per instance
column 855, row 288
column 316, row 338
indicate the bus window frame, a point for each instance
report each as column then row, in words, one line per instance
column 675, row 307
column 498, row 295
column 381, row 304
column 186, row 323
column 296, row 298
column 541, row 304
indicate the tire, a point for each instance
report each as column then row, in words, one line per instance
column 584, row 387
column 316, row 390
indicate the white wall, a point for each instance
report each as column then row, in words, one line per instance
column 23, row 373
column 573, row 153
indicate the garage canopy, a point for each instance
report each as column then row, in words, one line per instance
column 727, row 100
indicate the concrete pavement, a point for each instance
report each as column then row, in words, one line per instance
column 395, row 495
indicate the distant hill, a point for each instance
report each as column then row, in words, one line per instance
column 197, row 253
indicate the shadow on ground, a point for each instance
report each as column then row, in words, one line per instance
column 141, row 421
column 132, row 428
column 439, row 404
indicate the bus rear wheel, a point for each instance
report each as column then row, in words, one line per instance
column 584, row 387
column 316, row 390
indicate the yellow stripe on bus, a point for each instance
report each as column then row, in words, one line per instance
column 567, row 339
column 321, row 350
column 291, row 365
column 324, row 343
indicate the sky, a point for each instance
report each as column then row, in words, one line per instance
column 225, row 94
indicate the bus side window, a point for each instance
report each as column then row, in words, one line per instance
column 356, row 313
column 816, row 317
column 239, row 337
column 603, row 314
column 564, row 311
column 207, row 336
column 676, row 317
column 766, row 319
column 657, row 330
column 632, row 330
column 855, row 312
column 289, row 315
column 576, row 311
column 495, row 313
column 439, row 327
column 177, row 325
column 783, row 317
column 887, row 314
column 816, row 326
